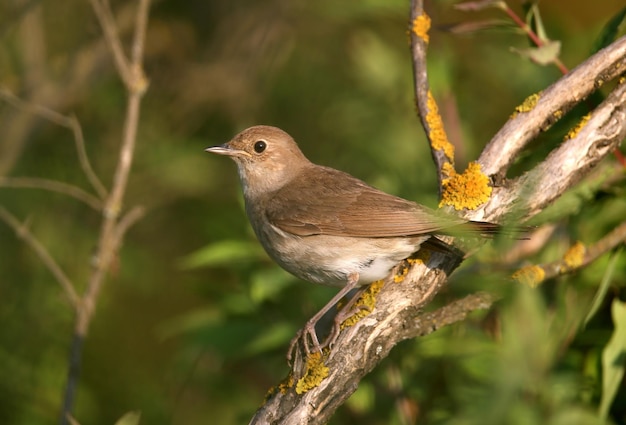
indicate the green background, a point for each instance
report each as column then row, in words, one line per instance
column 193, row 322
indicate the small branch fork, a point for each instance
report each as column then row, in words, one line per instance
column 115, row 222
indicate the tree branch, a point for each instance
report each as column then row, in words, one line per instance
column 550, row 105
column 70, row 122
column 441, row 149
column 578, row 256
column 113, row 228
column 23, row 233
column 53, row 186
column 317, row 386
column 566, row 165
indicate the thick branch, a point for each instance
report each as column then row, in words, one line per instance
column 552, row 104
column 566, row 165
column 361, row 347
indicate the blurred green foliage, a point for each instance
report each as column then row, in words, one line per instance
column 193, row 325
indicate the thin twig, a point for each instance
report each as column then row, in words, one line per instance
column 70, row 122
column 576, row 258
column 441, row 149
column 456, row 311
column 53, row 186
column 103, row 12
column 83, row 158
column 127, row 221
column 23, row 233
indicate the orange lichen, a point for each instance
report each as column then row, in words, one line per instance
column 527, row 105
column 438, row 136
column 466, row 190
column 421, row 26
column 574, row 256
column 574, row 131
column 530, row 275
column 315, row 372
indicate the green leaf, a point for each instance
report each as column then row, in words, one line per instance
column 223, row 253
column 543, row 55
column 130, row 418
column 603, row 288
column 613, row 358
column 610, row 30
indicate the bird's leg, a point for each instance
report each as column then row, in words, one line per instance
column 308, row 331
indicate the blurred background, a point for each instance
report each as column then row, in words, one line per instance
column 193, row 323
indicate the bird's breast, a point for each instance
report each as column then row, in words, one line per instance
column 329, row 260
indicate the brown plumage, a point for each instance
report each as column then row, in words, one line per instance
column 322, row 224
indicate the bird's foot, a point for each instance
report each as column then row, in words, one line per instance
column 309, row 339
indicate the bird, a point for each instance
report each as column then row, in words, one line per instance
column 325, row 226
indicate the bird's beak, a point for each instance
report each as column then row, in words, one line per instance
column 226, row 150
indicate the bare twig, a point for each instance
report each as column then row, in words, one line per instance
column 53, row 186
column 70, row 122
column 83, row 158
column 136, row 84
column 113, row 228
column 103, row 12
column 23, row 233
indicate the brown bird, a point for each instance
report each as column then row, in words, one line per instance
column 325, row 226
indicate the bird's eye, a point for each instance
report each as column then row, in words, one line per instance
column 259, row 146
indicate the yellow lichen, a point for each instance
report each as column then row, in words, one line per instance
column 283, row 387
column 402, row 273
column 286, row 384
column 421, row 26
column 365, row 304
column 438, row 136
column 447, row 170
column 574, row 131
column 466, row 190
column 527, row 105
column 315, row 372
column 558, row 114
column 574, row 256
column 530, row 275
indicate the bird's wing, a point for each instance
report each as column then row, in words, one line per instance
column 330, row 202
